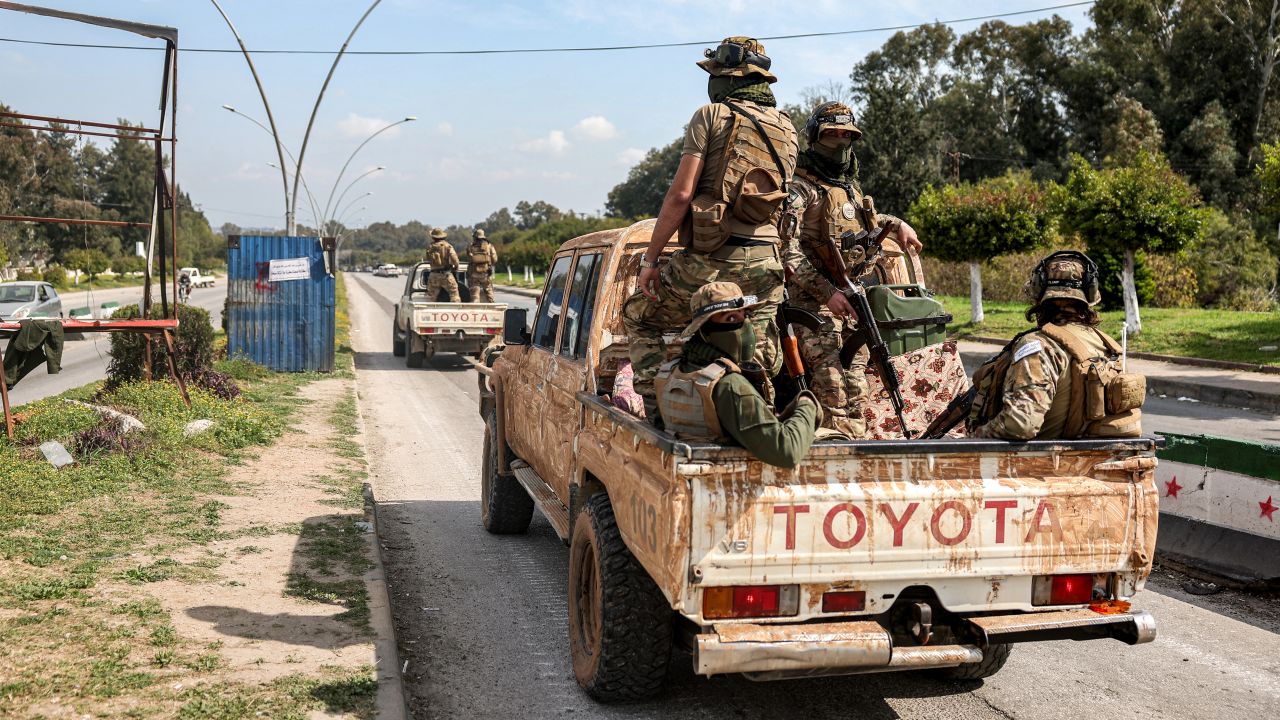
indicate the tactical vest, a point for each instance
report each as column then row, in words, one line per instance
column 479, row 255
column 1102, row 400
column 684, row 399
column 440, row 259
column 752, row 181
column 841, row 210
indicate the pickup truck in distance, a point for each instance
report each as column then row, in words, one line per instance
column 198, row 279
column 869, row 556
column 423, row 326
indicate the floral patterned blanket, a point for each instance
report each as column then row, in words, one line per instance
column 930, row 378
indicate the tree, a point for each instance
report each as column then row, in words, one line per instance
column 1257, row 24
column 1207, row 148
column 972, row 222
column 531, row 215
column 897, row 86
column 1142, row 206
column 91, row 262
column 1133, row 131
column 642, row 193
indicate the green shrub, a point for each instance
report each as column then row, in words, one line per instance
column 194, row 345
column 27, row 275
column 56, row 275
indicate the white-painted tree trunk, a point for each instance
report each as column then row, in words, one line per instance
column 1130, row 295
column 975, row 292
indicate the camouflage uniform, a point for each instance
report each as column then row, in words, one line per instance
column 1037, row 392
column 819, row 209
column 480, row 274
column 444, row 261
column 750, row 259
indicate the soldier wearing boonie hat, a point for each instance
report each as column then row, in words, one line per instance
column 825, row 201
column 444, row 261
column 703, row 394
column 726, row 199
column 1066, row 378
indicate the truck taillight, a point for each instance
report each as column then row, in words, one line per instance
column 492, row 331
column 744, row 601
column 426, row 330
column 1062, row 590
column 844, row 601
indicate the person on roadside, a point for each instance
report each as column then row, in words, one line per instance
column 824, row 202
column 482, row 259
column 703, row 394
column 444, row 263
column 726, row 199
column 1064, row 379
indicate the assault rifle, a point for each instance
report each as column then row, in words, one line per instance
column 788, row 317
column 957, row 411
column 868, row 333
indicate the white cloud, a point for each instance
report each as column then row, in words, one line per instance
column 630, row 156
column 556, row 175
column 596, row 127
column 358, row 126
column 444, row 128
column 555, row 143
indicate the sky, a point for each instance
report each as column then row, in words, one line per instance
column 491, row 130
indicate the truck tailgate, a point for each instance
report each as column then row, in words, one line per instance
column 926, row 519
column 447, row 318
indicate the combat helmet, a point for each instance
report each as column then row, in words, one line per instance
column 830, row 116
column 439, row 233
column 738, row 56
column 1065, row 274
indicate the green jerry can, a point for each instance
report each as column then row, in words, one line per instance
column 907, row 321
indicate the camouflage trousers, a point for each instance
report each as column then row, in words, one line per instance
column 438, row 281
column 841, row 393
column 481, row 284
column 756, row 270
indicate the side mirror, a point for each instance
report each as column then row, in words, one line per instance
column 515, row 326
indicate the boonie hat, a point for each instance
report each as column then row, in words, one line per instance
column 478, row 234
column 738, row 56
column 713, row 298
column 439, row 233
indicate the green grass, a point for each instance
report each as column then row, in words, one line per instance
column 517, row 280
column 1187, row 332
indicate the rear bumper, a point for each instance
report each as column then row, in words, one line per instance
column 778, row 651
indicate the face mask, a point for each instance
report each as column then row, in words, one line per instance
column 719, row 87
column 736, row 341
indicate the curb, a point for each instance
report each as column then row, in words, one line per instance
column 517, row 290
column 392, row 698
column 1171, row 359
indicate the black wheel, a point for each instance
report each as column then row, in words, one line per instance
column 397, row 344
column 619, row 621
column 415, row 359
column 505, row 508
column 993, row 658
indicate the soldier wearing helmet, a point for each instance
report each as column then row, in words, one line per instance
column 483, row 258
column 703, row 394
column 825, row 201
column 444, row 262
column 1066, row 378
column 726, row 200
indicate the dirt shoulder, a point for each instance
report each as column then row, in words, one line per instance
column 245, row 586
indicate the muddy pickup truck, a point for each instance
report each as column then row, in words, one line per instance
column 870, row 556
column 422, row 326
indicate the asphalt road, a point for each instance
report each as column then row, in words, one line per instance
column 481, row 620
column 84, row 361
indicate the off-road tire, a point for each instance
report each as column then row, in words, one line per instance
column 415, row 359
column 993, row 658
column 397, row 344
column 619, row 621
column 505, row 507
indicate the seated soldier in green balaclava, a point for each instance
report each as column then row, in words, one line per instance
column 703, row 394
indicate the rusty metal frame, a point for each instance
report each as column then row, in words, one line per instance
column 165, row 190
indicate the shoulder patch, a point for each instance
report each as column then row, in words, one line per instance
column 1029, row 348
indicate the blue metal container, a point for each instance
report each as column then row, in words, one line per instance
column 280, row 302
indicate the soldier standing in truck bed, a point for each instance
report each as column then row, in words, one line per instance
column 825, row 201
column 444, row 262
column 482, row 257
column 726, row 199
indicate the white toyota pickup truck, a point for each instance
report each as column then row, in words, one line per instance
column 422, row 326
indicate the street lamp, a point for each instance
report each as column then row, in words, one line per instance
column 328, row 203
column 351, row 185
column 311, row 200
